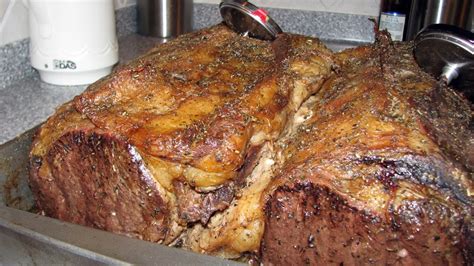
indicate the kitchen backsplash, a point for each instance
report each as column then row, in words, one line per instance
column 358, row 7
column 14, row 18
column 14, row 13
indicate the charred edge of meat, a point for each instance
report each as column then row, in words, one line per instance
column 449, row 120
column 418, row 169
column 280, row 47
column 309, row 224
column 99, row 180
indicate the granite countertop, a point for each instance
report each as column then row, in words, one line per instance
column 29, row 102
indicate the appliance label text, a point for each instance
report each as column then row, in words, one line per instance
column 63, row 64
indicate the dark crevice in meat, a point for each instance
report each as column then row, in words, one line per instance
column 194, row 206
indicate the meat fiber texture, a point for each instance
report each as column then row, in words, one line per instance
column 167, row 141
column 277, row 152
column 377, row 169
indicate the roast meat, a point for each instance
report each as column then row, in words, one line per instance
column 378, row 171
column 280, row 152
column 166, row 140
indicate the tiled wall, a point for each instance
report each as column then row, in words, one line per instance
column 14, row 18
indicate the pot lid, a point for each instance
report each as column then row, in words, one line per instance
column 248, row 19
column 447, row 52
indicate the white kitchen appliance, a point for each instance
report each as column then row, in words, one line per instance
column 72, row 42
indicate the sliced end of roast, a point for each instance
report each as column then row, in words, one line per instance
column 96, row 179
column 311, row 224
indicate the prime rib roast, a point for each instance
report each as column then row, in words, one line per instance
column 276, row 152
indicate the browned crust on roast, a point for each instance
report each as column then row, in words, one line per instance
column 216, row 67
column 311, row 224
column 96, row 179
column 199, row 99
column 448, row 119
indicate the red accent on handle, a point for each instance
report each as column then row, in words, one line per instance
column 261, row 14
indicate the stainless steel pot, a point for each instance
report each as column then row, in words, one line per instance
column 427, row 12
column 164, row 18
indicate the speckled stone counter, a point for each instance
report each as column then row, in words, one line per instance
column 25, row 101
column 30, row 101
